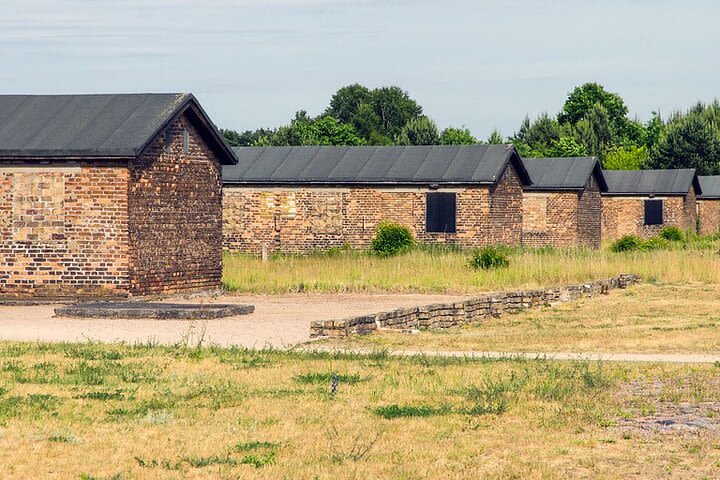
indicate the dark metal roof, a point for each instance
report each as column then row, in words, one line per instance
column 105, row 126
column 710, row 186
column 651, row 182
column 565, row 173
column 329, row 165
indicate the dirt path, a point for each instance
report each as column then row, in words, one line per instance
column 590, row 356
column 278, row 321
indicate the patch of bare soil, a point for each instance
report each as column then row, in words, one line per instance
column 671, row 418
column 659, row 415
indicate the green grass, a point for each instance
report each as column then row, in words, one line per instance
column 398, row 417
column 652, row 317
column 446, row 270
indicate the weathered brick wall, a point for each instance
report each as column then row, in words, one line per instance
column 175, row 215
column 563, row 219
column 63, row 229
column 506, row 215
column 690, row 211
column 709, row 216
column 550, row 218
column 296, row 220
column 625, row 215
column 590, row 216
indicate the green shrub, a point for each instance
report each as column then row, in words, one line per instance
column 656, row 243
column 674, row 234
column 391, row 238
column 488, row 258
column 627, row 243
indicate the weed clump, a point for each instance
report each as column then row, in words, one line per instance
column 489, row 258
column 326, row 377
column 390, row 412
column 627, row 243
column 391, row 239
column 673, row 234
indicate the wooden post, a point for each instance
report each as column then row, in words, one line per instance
column 264, row 252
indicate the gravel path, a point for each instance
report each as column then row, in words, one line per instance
column 590, row 356
column 278, row 321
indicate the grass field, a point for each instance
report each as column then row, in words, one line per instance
column 650, row 317
column 441, row 270
column 111, row 411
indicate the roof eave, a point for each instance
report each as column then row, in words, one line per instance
column 517, row 163
column 72, row 156
column 321, row 183
column 229, row 157
column 538, row 188
column 696, row 184
column 644, row 194
column 599, row 177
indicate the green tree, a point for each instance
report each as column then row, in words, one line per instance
column 419, row 131
column 495, row 138
column 630, row 157
column 304, row 130
column 653, row 130
column 567, row 146
column 688, row 141
column 331, row 132
column 394, row 108
column 246, row 138
column 377, row 115
column 537, row 138
column 582, row 101
column 347, row 102
column 594, row 132
column 457, row 136
column 366, row 122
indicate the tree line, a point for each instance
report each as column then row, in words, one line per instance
column 592, row 121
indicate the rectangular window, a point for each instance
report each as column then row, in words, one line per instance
column 440, row 212
column 653, row 212
column 186, row 141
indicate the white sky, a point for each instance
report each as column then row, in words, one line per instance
column 253, row 63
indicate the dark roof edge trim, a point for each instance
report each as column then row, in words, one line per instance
column 599, row 177
column 517, row 163
column 190, row 101
column 350, row 183
column 72, row 156
column 532, row 188
column 644, row 194
column 696, row 184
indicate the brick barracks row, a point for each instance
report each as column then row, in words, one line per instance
column 310, row 198
column 137, row 194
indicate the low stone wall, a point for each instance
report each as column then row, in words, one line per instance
column 447, row 315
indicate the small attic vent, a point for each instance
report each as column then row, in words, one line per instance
column 186, row 141
column 168, row 141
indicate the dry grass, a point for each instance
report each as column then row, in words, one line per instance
column 93, row 411
column 443, row 271
column 651, row 317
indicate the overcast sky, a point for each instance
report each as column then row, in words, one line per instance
column 253, row 63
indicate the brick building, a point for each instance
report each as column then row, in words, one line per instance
column 709, row 205
column 109, row 195
column 562, row 207
column 643, row 202
column 299, row 199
